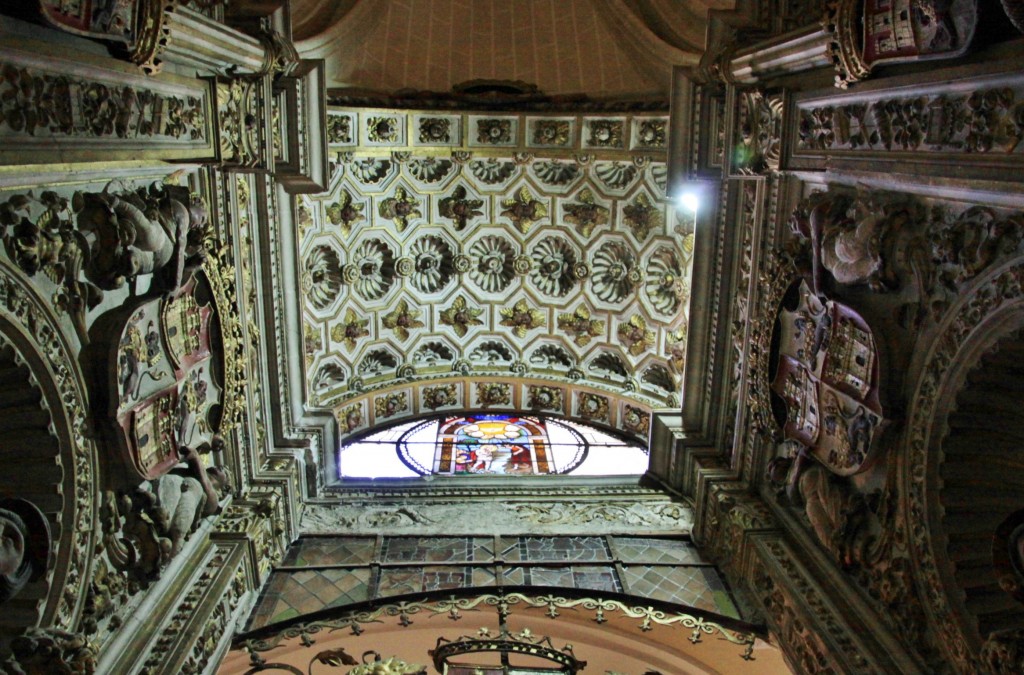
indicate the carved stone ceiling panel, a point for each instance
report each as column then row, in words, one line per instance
column 465, row 252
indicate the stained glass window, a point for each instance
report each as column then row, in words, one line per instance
column 490, row 445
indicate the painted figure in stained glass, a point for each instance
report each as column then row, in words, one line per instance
column 492, row 444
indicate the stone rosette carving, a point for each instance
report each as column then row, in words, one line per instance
column 350, row 329
column 581, row 325
column 493, row 393
column 586, row 214
column 522, row 318
column 400, row 209
column 381, row 129
column 401, row 320
column 345, row 212
column 321, row 277
column 494, row 131
column 554, row 266
column 615, row 274
column 493, row 263
column 523, row 210
column 460, row 316
column 592, row 407
column 390, row 405
column 458, row 208
column 433, row 264
column 372, row 270
column 542, row 397
column 551, row 132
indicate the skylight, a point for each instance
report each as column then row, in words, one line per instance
column 490, row 445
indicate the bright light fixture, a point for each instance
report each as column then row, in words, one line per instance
column 689, row 201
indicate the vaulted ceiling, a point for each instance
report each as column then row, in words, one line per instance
column 601, row 48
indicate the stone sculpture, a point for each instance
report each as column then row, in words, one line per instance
column 24, row 545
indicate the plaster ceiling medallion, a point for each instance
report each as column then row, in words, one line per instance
column 615, row 272
column 321, row 279
column 461, row 316
column 581, row 325
column 433, row 354
column 328, row 376
column 401, row 208
column 492, row 352
column 556, row 267
column 523, row 209
column 609, row 364
column 493, row 260
column 376, row 363
column 635, row 336
column 402, row 319
column 350, row 329
column 522, row 318
column 372, row 270
column 658, row 376
column 433, row 264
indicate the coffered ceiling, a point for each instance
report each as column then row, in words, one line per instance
column 472, row 261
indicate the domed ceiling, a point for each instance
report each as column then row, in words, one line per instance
column 498, row 262
column 601, row 48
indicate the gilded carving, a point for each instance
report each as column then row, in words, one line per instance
column 350, row 330
column 592, row 407
column 666, row 283
column 541, row 397
column 436, row 130
column 493, row 263
column 459, row 209
column 433, row 264
column 652, row 133
column 51, row 650
column 440, row 396
column 605, row 133
column 635, row 336
column 523, row 210
column 371, row 270
column 400, row 209
column 522, row 318
column 391, row 405
column 615, row 273
column 642, row 216
column 382, row 129
column 402, row 319
column 460, row 316
column 238, row 104
column 636, row 420
column 554, row 266
column 493, row 393
column 758, row 143
column 586, row 214
column 551, row 132
column 345, row 212
column 494, row 131
column 339, row 129
column 581, row 325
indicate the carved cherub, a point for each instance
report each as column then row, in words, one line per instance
column 138, row 233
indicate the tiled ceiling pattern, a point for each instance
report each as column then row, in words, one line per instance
column 522, row 247
column 604, row 48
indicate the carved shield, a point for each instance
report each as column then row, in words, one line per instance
column 912, row 30
column 166, row 385
column 826, row 376
column 101, row 19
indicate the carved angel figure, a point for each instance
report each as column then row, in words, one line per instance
column 138, row 233
column 162, row 512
